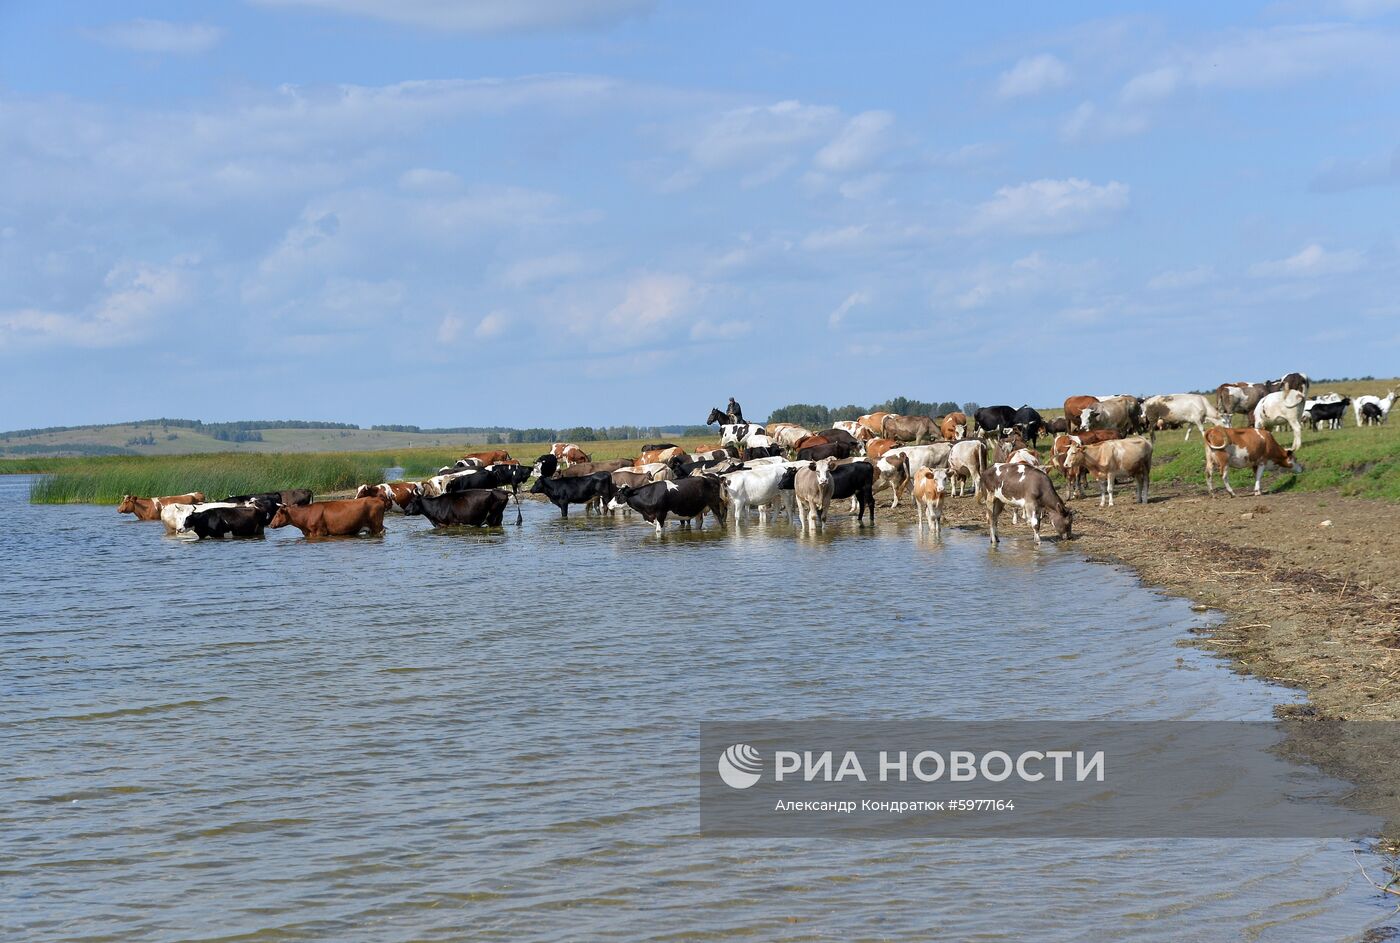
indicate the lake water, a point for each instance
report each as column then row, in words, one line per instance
column 490, row 736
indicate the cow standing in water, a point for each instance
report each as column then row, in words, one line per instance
column 1029, row 490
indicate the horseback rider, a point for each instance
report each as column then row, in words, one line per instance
column 735, row 412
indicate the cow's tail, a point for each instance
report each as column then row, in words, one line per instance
column 515, row 493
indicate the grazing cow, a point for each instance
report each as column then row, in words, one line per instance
column 1058, row 426
column 333, row 518
column 916, row 429
column 914, row 457
column 874, row 423
column 855, row 480
column 492, row 457
column 562, row 492
column 1030, row 424
column 244, row 521
column 1060, row 449
column 1295, row 381
column 1232, row 398
column 1228, row 448
column 1283, row 408
column 953, row 426
column 396, row 491
column 461, row 509
column 1383, row 403
column 875, row 448
column 658, row 455
column 301, row 496
column 813, row 489
column 1074, row 411
column 173, row 516
column 567, row 453
column 966, row 460
column 930, row 488
column 1123, row 413
column 1172, row 410
column 994, row 418
column 1327, row 415
column 789, row 435
column 687, row 500
column 854, row 429
column 754, row 488
column 815, row 453
column 1031, row 492
column 1371, row 414
column 1105, row 460
column 1011, row 441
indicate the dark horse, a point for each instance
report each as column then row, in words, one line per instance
column 717, row 416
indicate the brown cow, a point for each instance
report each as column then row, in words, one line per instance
column 1105, row 460
column 807, row 441
column 333, row 518
column 878, row 447
column 148, row 509
column 953, row 426
column 584, row 469
column 568, row 453
column 1074, row 408
column 494, row 457
column 930, row 488
column 657, row 455
column 1060, row 448
column 1030, row 491
column 915, row 429
column 1232, row 398
column 875, row 422
column 1228, row 448
column 399, row 492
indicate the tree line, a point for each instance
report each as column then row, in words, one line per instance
column 821, row 417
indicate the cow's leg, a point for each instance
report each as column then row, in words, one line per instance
column 1297, row 433
column 993, row 512
column 938, row 517
column 1258, row 477
column 1225, row 479
column 1033, row 516
column 563, row 509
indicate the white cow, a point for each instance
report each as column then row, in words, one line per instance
column 857, row 431
column 1384, row 402
column 916, row 457
column 173, row 516
column 1284, row 408
column 966, row 459
column 1190, row 409
column 756, row 488
column 735, row 433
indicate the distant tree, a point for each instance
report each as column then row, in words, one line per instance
column 845, row 413
column 946, row 407
column 804, row 414
column 970, row 407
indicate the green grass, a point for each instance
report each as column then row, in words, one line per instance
column 104, row 479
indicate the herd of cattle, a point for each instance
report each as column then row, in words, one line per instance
column 782, row 467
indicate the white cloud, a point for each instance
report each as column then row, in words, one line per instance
column 493, row 325
column 1032, row 76
column 1176, row 279
column 763, row 141
column 651, row 301
column 160, row 37
column 705, row 330
column 1050, row 207
column 1309, row 262
column 426, row 180
column 484, row 16
column 853, row 300
column 1152, row 86
column 133, row 299
column 1089, row 122
column 1027, row 279
column 449, row 329
column 863, row 139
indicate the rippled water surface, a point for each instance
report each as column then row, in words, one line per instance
column 490, row 735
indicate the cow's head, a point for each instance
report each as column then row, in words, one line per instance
column 414, row 504
column 280, row 517
column 1290, row 461
column 823, row 470
column 366, row 491
column 1062, row 519
column 127, row 504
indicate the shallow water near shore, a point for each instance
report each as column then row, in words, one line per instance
column 491, row 734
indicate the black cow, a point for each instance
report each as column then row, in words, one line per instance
column 658, row 446
column 840, row 435
column 763, row 451
column 563, row 492
column 299, row 496
column 467, row 508
column 995, row 418
column 546, row 466
column 815, row 453
column 1329, row 415
column 218, row 523
column 856, row 480
column 1031, row 424
column 688, row 498
column 1371, row 415
column 492, row 476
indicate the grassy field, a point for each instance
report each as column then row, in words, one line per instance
column 104, row 479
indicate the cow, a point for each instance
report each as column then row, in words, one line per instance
column 808, row 441
column 491, row 457
column 1123, row 413
column 813, row 489
column 567, row 453
column 438, row 484
column 875, row 448
column 915, row 429
column 1232, row 398
column 333, row 518
column 396, row 491
column 173, row 516
column 1327, row 415
column 1383, row 403
column 1030, row 423
column 584, row 469
column 930, row 488
column 242, row 521
column 841, row 435
column 953, row 426
column 1074, row 411
column 148, row 509
column 1171, row 410
column 1283, row 408
column 1105, row 460
column 855, row 480
column 915, row 457
column 658, row 455
column 756, row 488
column 1030, row 491
column 1228, row 448
column 735, row 433
column 1024, row 457
column 462, row 508
column 816, row 453
column 1059, row 449
column 562, row 492
column 687, row 499
column 966, row 460
column 1058, row 426
column 855, row 430
column 994, row 418
column 499, row 476
column 1371, row 414
column 300, row 496
column 788, row 435
column 874, row 423
column 1295, row 381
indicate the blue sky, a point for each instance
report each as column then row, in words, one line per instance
column 540, row 212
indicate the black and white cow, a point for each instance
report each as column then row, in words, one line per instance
column 562, row 492
column 687, row 499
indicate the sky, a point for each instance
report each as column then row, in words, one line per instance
column 589, row 212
